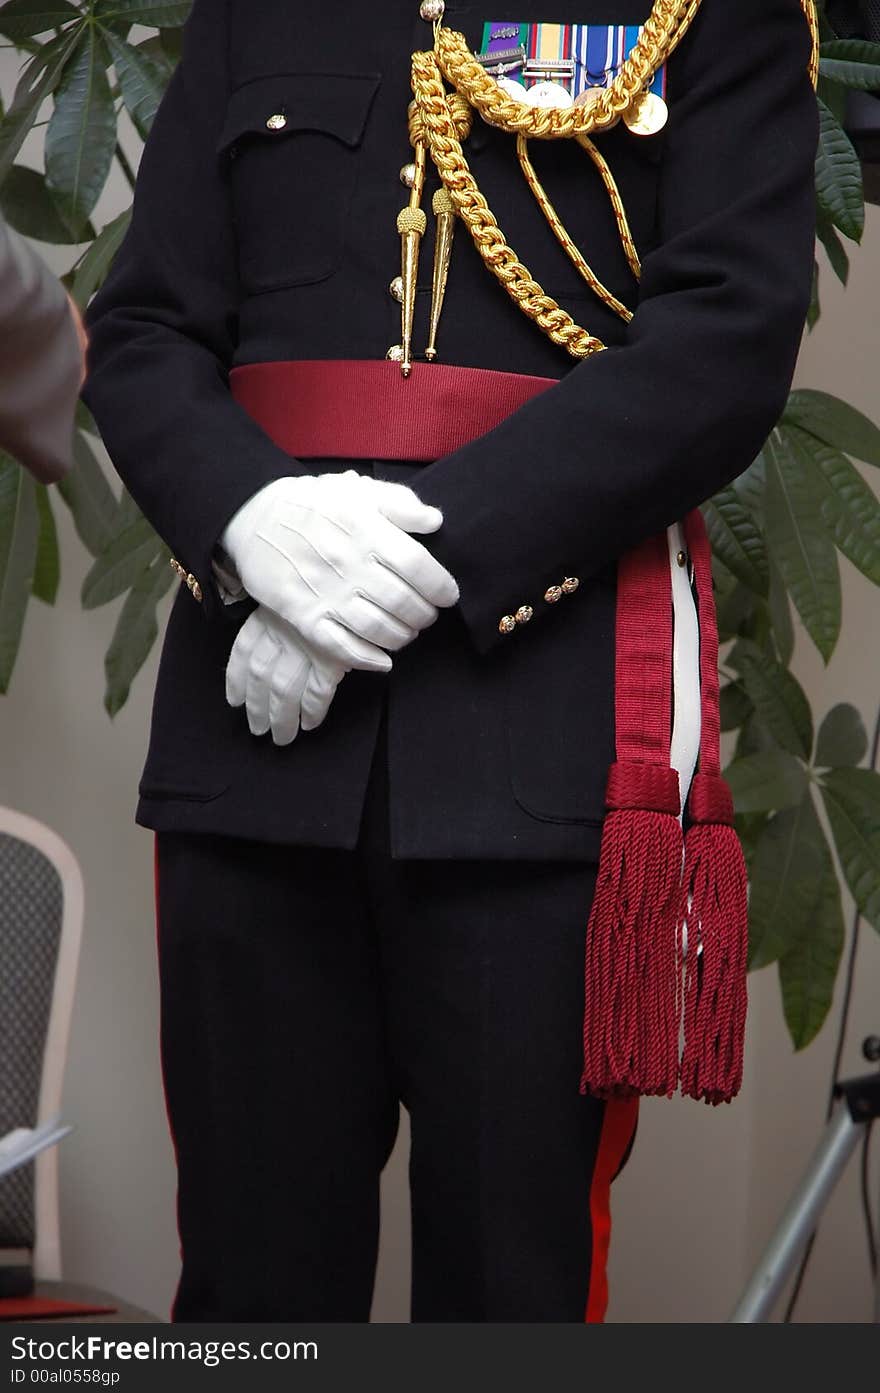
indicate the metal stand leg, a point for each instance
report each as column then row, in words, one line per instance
column 799, row 1220
column 860, row 1105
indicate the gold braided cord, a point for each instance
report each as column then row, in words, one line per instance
column 613, row 191
column 440, row 120
column 573, row 253
column 809, row 9
column 448, row 156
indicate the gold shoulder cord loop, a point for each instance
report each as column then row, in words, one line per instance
column 440, row 121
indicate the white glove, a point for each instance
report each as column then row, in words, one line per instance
column 281, row 682
column 331, row 555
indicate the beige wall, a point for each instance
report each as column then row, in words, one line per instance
column 703, row 1186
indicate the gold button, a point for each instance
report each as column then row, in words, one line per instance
column 553, row 594
column 395, row 289
column 276, row 122
column 395, row 353
column 570, row 585
column 431, row 10
column 681, row 558
column 524, row 614
column 507, row 624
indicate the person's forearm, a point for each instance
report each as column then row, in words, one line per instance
column 41, row 362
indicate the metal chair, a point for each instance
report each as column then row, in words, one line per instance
column 41, row 918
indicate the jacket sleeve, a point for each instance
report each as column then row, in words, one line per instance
column 163, row 326
column 40, row 362
column 635, row 436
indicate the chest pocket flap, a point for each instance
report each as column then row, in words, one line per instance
column 335, row 103
column 291, row 142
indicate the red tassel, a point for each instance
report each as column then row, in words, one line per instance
column 632, row 971
column 716, row 993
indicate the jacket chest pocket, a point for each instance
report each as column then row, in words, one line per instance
column 291, row 146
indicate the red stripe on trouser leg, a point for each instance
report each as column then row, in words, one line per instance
column 618, row 1126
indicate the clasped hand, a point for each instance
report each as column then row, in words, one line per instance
column 340, row 583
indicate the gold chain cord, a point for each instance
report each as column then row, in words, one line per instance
column 438, row 120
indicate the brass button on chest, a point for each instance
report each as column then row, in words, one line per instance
column 276, row 122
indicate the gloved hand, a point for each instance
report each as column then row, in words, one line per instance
column 332, row 556
column 283, row 684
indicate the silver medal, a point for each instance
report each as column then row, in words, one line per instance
column 548, row 94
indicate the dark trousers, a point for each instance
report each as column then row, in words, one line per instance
column 305, row 995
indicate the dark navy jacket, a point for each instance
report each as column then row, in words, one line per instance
column 250, row 245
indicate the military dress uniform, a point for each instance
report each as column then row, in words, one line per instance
column 393, row 908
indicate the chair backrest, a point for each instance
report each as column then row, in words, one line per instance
column 41, row 914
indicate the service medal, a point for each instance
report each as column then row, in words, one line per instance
column 514, row 89
column 647, row 115
column 548, row 94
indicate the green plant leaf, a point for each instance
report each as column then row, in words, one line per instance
column 850, row 510
column 839, row 176
column 129, row 511
column 787, row 871
column 779, row 610
column 778, row 698
column 737, row 539
column 81, row 134
column 142, row 80
column 90, row 499
column 734, row 705
column 753, row 739
column 808, row 971
column 136, row 631
column 118, row 567
column 85, row 420
column 21, row 19
column 40, row 77
column 852, row 62
column 96, row 263
column 29, row 207
column 842, row 737
column 852, row 802
column 19, row 525
column 798, row 538
column 834, row 97
column 162, row 14
column 835, row 422
column 749, row 829
column 47, row 566
column 172, row 44
column 751, row 484
column 767, row 782
column 814, row 311
column 157, row 48
column 732, row 608
column 838, row 258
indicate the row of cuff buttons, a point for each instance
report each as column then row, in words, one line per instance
column 188, row 579
column 509, row 622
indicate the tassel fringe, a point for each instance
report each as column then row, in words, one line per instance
column 633, row 966
column 715, row 992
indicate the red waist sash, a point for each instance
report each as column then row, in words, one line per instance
column 365, row 409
